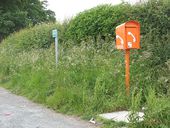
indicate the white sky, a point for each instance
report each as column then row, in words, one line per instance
column 65, row 9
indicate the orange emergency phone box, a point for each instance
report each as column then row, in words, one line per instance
column 128, row 35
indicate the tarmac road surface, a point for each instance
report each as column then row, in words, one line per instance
column 18, row 112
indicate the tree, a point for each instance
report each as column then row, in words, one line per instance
column 17, row 14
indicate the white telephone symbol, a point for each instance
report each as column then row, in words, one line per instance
column 121, row 40
column 134, row 39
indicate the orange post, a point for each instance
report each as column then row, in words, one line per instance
column 127, row 70
column 127, row 38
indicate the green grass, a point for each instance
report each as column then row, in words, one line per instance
column 76, row 83
column 89, row 78
column 85, row 83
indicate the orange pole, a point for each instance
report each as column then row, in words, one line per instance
column 127, row 70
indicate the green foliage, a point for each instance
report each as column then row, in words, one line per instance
column 89, row 78
column 156, row 112
column 17, row 14
column 153, row 15
column 37, row 37
column 154, row 19
column 156, row 55
column 100, row 20
column 11, row 21
column 74, row 86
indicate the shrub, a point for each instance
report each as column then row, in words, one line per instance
column 32, row 38
column 89, row 78
column 153, row 15
column 100, row 20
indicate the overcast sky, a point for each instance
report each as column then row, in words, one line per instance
column 65, row 9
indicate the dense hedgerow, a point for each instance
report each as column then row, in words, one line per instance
column 102, row 20
column 89, row 78
column 32, row 38
column 153, row 15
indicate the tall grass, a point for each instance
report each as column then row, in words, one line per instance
column 89, row 78
column 82, row 77
column 87, row 81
